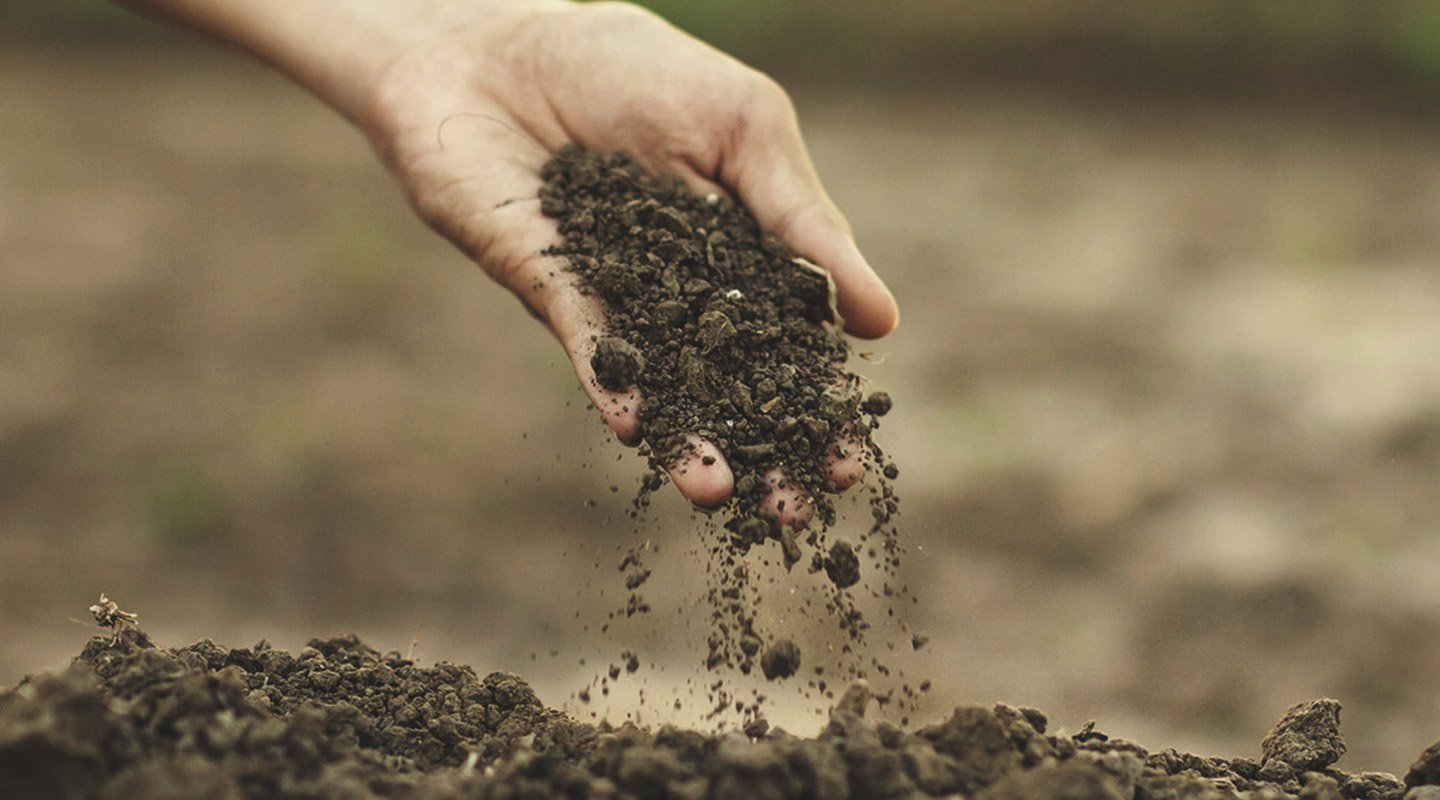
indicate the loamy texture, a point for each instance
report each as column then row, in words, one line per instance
column 343, row 720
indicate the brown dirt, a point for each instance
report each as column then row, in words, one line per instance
column 341, row 719
column 780, row 660
column 728, row 334
column 730, row 337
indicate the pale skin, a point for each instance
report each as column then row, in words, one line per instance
column 465, row 100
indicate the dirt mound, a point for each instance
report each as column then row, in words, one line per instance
column 340, row 719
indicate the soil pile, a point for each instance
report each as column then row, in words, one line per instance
column 730, row 337
column 340, row 719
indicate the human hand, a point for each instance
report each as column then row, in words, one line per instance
column 467, row 117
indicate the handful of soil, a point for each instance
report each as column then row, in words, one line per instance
column 732, row 338
column 727, row 334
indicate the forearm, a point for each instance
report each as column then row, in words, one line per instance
column 339, row 49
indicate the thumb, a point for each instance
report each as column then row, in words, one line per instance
column 771, row 171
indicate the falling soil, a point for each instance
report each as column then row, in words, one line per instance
column 842, row 565
column 731, row 338
column 340, row 719
column 727, row 334
column 781, row 660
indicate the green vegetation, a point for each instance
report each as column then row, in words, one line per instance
column 185, row 506
column 1399, row 37
column 1412, row 39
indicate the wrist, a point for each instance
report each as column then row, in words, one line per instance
column 341, row 49
column 344, row 52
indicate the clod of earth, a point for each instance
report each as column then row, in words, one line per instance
column 1307, row 738
column 1426, row 769
column 878, row 404
column 617, row 364
column 781, row 660
column 842, row 565
column 340, row 719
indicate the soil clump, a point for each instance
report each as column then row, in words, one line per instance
column 341, row 719
column 781, row 660
column 842, row 565
column 1307, row 737
column 732, row 338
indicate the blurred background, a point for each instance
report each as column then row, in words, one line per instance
column 1168, row 381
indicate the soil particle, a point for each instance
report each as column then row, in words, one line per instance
column 781, row 660
column 637, row 578
column 842, row 565
column 1306, row 738
column 617, row 363
column 757, row 727
column 878, row 404
column 1426, row 769
column 789, row 548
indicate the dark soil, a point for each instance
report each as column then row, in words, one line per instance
column 730, row 337
column 342, row 720
column 781, row 660
column 727, row 334
column 842, row 565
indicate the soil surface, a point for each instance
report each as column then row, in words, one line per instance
column 341, row 719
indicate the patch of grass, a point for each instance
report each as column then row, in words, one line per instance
column 1412, row 40
column 846, row 36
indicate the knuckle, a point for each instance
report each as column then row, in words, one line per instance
column 763, row 112
column 766, row 96
column 795, row 216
